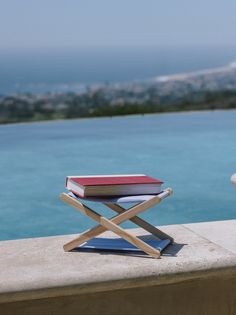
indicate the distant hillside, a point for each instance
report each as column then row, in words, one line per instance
column 178, row 85
column 201, row 90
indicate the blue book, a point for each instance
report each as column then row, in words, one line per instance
column 119, row 244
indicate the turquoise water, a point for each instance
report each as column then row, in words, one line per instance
column 194, row 153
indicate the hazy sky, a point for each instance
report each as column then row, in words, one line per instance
column 49, row 24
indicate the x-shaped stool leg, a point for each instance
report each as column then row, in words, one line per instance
column 112, row 224
column 142, row 223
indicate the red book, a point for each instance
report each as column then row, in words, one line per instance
column 113, row 185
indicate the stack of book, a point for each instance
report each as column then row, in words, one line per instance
column 113, row 185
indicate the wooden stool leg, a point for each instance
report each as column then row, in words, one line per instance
column 123, row 216
column 109, row 225
column 84, row 237
column 142, row 223
column 155, row 253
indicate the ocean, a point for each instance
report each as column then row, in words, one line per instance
column 63, row 71
column 194, row 153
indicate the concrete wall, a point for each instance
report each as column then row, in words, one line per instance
column 195, row 276
column 214, row 296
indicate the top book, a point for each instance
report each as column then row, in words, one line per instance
column 113, row 185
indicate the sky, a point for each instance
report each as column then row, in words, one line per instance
column 73, row 24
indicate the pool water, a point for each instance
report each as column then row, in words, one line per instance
column 194, row 153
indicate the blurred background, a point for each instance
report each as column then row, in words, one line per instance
column 155, row 84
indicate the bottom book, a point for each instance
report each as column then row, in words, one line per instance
column 119, row 244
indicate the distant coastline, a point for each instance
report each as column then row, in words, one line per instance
column 187, row 75
column 187, row 112
column 210, row 89
column 62, row 71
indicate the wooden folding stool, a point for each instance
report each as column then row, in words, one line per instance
column 143, row 202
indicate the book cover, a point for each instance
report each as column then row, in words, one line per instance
column 113, row 180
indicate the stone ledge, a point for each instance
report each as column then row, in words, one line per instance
column 39, row 268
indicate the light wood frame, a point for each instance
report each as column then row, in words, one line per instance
column 112, row 224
